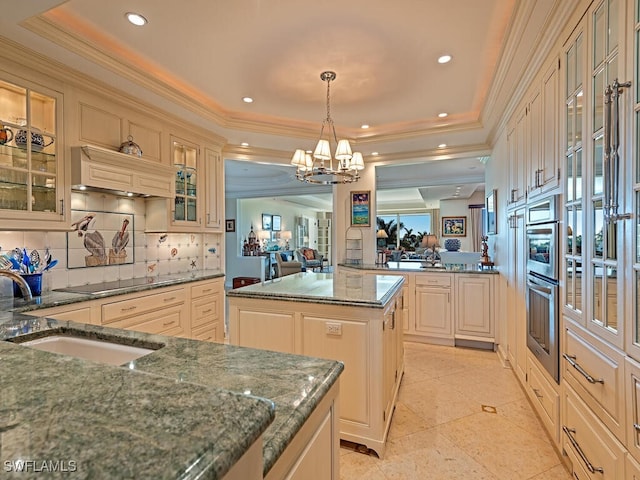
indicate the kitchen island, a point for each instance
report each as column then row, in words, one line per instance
column 348, row 316
column 190, row 409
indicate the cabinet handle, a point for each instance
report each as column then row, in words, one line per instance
column 206, row 290
column 207, row 310
column 208, row 218
column 62, row 207
column 572, row 361
column 166, row 324
column 128, row 309
column 537, row 393
column 170, row 299
column 637, row 427
column 576, row 445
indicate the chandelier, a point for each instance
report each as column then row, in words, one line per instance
column 319, row 169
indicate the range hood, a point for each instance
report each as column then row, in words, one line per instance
column 96, row 168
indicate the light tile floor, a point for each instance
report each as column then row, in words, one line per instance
column 439, row 430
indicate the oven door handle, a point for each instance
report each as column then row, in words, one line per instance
column 539, row 288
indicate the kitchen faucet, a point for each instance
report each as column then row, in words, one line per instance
column 22, row 283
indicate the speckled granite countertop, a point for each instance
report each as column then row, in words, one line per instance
column 187, row 410
column 105, row 289
column 415, row 266
column 340, row 288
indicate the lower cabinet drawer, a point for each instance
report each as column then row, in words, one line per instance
column 169, row 321
column 112, row 312
column 206, row 289
column 599, row 454
column 203, row 311
column 633, row 469
column 632, row 393
column 545, row 399
column 596, row 371
column 207, row 333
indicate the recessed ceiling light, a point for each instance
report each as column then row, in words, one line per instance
column 375, row 154
column 244, row 144
column 129, row 194
column 442, row 145
column 364, row 126
column 444, row 59
column 135, row 18
column 443, row 114
column 247, row 99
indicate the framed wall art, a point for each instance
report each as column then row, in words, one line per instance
column 275, row 222
column 491, row 212
column 361, row 208
column 454, row 226
column 230, row 225
column 266, row 221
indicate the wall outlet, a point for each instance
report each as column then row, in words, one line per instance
column 333, row 328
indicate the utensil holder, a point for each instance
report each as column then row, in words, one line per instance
column 34, row 280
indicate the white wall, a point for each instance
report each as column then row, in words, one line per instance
column 460, row 208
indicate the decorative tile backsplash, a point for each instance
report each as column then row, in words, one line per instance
column 153, row 253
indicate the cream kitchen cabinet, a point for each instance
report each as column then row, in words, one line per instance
column 85, row 312
column 595, row 452
column 214, row 202
column 365, row 339
column 543, row 168
column 632, row 405
column 198, row 204
column 33, row 192
column 545, row 398
column 595, row 370
column 207, row 315
column 163, row 313
column 433, row 307
column 517, row 141
column 474, row 307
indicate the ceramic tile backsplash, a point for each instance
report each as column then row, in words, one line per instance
column 154, row 253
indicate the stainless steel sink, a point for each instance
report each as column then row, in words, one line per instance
column 111, row 352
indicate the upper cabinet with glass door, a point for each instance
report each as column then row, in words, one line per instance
column 606, row 67
column 184, row 212
column 31, row 170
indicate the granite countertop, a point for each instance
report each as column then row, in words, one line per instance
column 187, row 410
column 340, row 288
column 416, row 266
column 93, row 291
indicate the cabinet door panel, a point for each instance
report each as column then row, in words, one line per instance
column 351, row 346
column 433, row 311
column 99, row 127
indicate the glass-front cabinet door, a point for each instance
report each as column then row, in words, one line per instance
column 606, row 66
column 186, row 163
column 30, row 165
column 573, row 148
column 632, row 234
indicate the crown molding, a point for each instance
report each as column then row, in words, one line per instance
column 53, row 70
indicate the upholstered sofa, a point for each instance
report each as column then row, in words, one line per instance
column 286, row 267
column 309, row 258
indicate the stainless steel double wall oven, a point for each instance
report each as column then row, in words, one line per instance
column 542, row 284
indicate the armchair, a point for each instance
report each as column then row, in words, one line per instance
column 309, row 258
column 286, row 267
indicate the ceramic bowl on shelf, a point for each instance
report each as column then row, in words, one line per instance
column 38, row 141
column 6, row 134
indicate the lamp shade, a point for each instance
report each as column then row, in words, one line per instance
column 357, row 162
column 429, row 241
column 285, row 235
column 381, row 234
column 323, row 150
column 343, row 151
column 299, row 159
